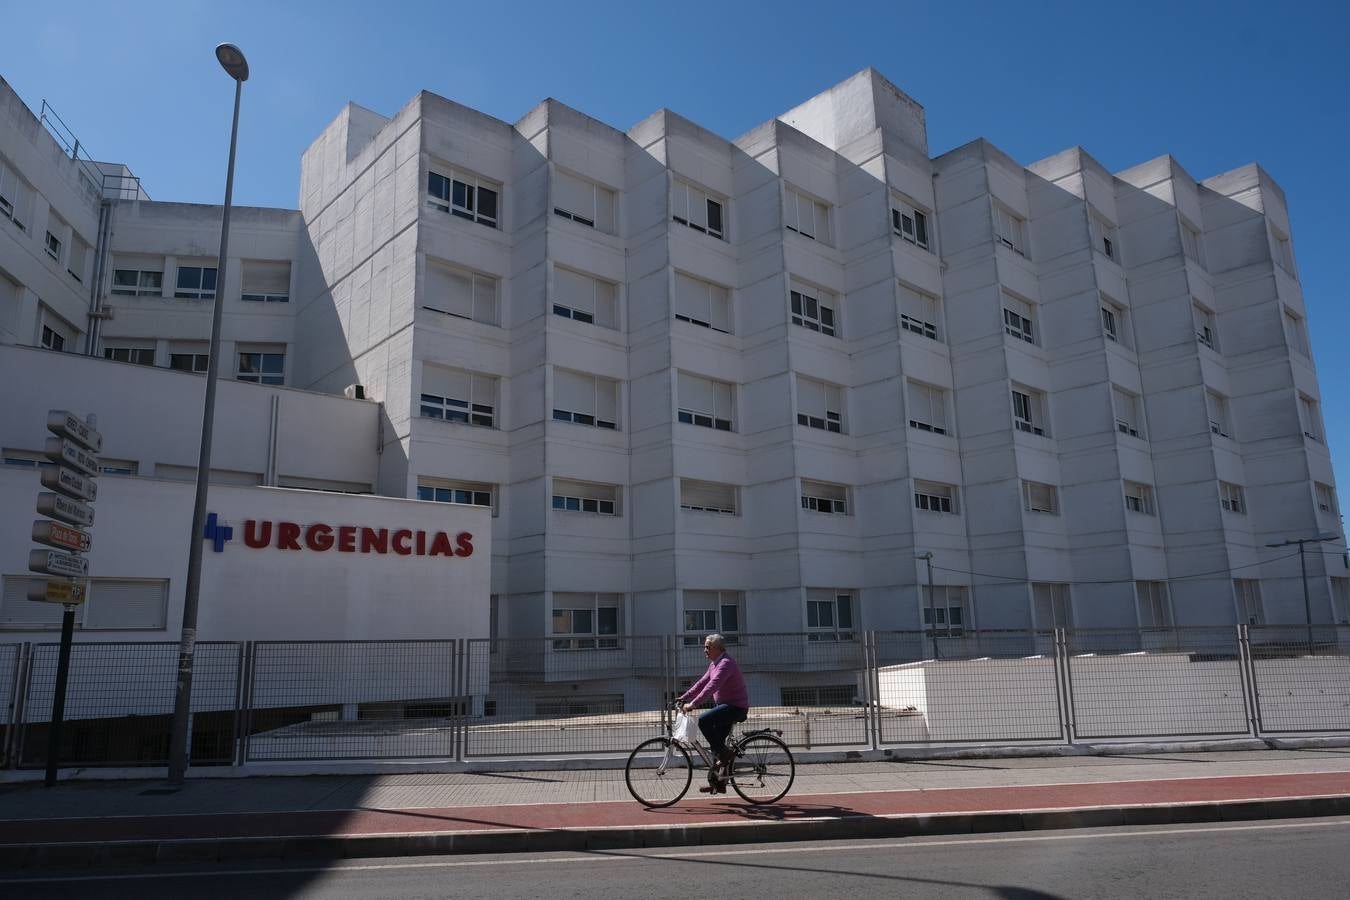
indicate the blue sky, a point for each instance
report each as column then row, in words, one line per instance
column 1217, row 85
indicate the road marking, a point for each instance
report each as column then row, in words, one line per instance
column 634, row 856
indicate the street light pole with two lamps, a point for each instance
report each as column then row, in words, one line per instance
column 236, row 66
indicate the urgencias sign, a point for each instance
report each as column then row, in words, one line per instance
column 320, row 538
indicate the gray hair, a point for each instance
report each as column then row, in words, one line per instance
column 716, row 641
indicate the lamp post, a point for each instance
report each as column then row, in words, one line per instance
column 927, row 557
column 1303, row 571
column 236, row 66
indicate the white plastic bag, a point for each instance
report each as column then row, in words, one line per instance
column 686, row 728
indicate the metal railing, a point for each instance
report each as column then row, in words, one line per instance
column 455, row 699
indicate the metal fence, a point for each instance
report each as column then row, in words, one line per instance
column 458, row 699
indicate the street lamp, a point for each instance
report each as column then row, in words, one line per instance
column 236, row 66
column 927, row 557
column 1303, row 570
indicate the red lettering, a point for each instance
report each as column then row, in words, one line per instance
column 319, row 537
column 372, row 540
column 347, row 539
column 257, row 538
column 464, row 541
column 421, row 543
column 441, row 546
column 401, row 538
column 288, row 536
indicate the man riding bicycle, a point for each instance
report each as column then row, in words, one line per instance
column 731, row 704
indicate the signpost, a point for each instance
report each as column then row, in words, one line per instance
column 74, row 449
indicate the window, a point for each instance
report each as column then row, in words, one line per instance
column 1139, row 498
column 1284, row 250
column 188, row 357
column 143, row 356
column 1113, row 322
column 14, row 196
column 28, row 459
column 696, row 208
column 1206, row 331
column 53, row 339
column 1326, row 500
column 820, row 405
column 581, row 496
column 1154, row 604
column 806, row 216
column 909, row 222
column 1192, row 245
column 79, row 257
column 460, row 293
column 583, row 201
column 707, row 496
column 1017, row 318
column 584, row 298
column 703, row 303
column 52, row 244
column 1029, row 411
column 1104, row 239
column 920, row 313
column 135, row 278
column 469, row 398
column 586, row 621
column 109, row 466
column 1010, row 229
column 1051, row 604
column 1340, row 600
column 114, row 604
column 585, row 399
column 266, row 282
column 944, row 608
column 705, row 402
column 713, row 612
column 813, row 308
column 1038, row 497
column 1217, row 406
column 1247, row 593
column 1231, row 498
column 927, row 407
column 934, row 496
column 1295, row 332
column 196, row 283
column 465, row 196
column 821, row 496
column 1129, row 412
column 1308, row 417
column 829, row 615
column 463, row 493
column 261, row 368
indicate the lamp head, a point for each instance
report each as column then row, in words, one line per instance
column 232, row 61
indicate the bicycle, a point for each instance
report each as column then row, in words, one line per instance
column 660, row 769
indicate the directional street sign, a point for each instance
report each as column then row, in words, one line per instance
column 58, row 591
column 72, row 512
column 70, row 483
column 60, row 536
column 55, row 562
column 69, row 453
column 69, row 425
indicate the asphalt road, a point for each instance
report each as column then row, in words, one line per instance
column 1285, row 859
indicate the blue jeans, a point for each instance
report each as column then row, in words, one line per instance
column 717, row 723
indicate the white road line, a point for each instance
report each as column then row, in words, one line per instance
column 634, row 856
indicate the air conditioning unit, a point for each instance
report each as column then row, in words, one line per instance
column 355, row 391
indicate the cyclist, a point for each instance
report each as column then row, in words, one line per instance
column 731, row 704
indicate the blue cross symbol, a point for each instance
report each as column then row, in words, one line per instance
column 217, row 534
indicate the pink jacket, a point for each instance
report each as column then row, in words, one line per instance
column 723, row 681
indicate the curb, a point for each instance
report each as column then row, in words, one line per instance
column 590, row 763
column 318, row 848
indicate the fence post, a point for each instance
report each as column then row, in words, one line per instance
column 11, row 749
column 871, row 693
column 460, row 724
column 1251, row 697
column 1064, row 683
column 240, row 691
column 250, row 691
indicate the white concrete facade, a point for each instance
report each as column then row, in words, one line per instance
column 1075, row 389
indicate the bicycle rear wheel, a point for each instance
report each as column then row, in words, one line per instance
column 658, row 772
column 763, row 770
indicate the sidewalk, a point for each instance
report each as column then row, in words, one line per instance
column 83, row 823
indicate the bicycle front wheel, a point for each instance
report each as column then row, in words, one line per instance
column 658, row 772
column 763, row 769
